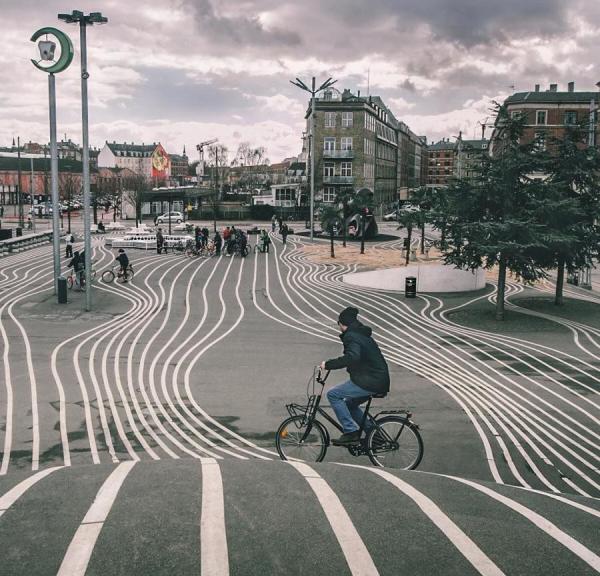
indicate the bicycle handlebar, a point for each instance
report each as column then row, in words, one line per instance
column 320, row 379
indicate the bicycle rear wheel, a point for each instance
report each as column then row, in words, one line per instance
column 395, row 443
column 292, row 445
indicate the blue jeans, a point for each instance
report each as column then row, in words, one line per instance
column 345, row 400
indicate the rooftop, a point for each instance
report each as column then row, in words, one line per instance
column 551, row 97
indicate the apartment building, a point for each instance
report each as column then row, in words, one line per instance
column 441, row 159
column 149, row 160
column 358, row 143
column 549, row 112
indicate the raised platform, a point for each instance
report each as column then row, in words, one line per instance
column 430, row 278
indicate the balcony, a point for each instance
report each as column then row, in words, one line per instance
column 338, row 153
column 337, row 180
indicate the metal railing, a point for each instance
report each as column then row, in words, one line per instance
column 338, row 153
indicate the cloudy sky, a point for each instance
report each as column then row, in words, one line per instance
column 183, row 71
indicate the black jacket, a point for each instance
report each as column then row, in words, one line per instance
column 362, row 359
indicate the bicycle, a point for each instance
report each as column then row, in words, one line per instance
column 72, row 279
column 109, row 275
column 393, row 441
column 191, row 251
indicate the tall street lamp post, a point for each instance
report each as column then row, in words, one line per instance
column 19, row 190
column 84, row 21
column 47, row 48
column 311, row 145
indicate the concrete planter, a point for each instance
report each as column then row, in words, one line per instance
column 430, row 278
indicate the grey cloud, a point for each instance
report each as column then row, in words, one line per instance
column 239, row 31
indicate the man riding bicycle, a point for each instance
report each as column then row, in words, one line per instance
column 368, row 372
column 123, row 260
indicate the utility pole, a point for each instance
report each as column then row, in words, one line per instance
column 313, row 91
column 19, row 191
column 32, row 191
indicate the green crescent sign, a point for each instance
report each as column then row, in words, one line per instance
column 66, row 50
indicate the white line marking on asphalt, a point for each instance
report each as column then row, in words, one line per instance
column 8, row 499
column 81, row 547
column 214, row 559
column 354, row 549
column 542, row 523
column 479, row 560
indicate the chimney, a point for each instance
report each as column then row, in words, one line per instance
column 571, row 86
column 537, row 87
column 553, row 87
column 359, row 93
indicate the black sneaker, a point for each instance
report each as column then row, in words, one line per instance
column 347, row 438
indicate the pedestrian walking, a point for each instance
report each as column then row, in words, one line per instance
column 284, row 232
column 273, row 222
column 266, row 241
column 160, row 241
column 69, row 248
column 218, row 241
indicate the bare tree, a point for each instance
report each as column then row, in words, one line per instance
column 69, row 185
column 218, row 161
column 135, row 188
column 252, row 159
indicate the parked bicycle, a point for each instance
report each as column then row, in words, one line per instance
column 115, row 272
column 392, row 441
column 192, row 251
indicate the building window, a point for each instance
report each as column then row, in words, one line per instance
column 329, row 144
column 346, row 168
column 328, row 169
column 346, row 143
column 329, row 194
column 347, row 119
column 541, row 117
column 571, row 118
column 329, row 119
column 284, row 194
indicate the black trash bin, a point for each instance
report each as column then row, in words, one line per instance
column 19, row 232
column 62, row 290
column 410, row 287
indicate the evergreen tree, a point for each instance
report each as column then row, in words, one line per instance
column 492, row 216
column 570, row 205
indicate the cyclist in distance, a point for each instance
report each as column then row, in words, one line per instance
column 368, row 373
column 123, row 260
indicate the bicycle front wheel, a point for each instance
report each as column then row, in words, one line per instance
column 395, row 443
column 296, row 440
column 108, row 276
column 130, row 272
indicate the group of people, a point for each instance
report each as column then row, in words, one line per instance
column 236, row 240
column 277, row 222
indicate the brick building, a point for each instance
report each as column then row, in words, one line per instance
column 358, row 143
column 549, row 112
column 440, row 159
column 179, row 167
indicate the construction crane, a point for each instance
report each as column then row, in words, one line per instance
column 200, row 148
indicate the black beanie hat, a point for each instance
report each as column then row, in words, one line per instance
column 348, row 315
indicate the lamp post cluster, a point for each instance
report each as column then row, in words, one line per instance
column 313, row 91
column 47, row 49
